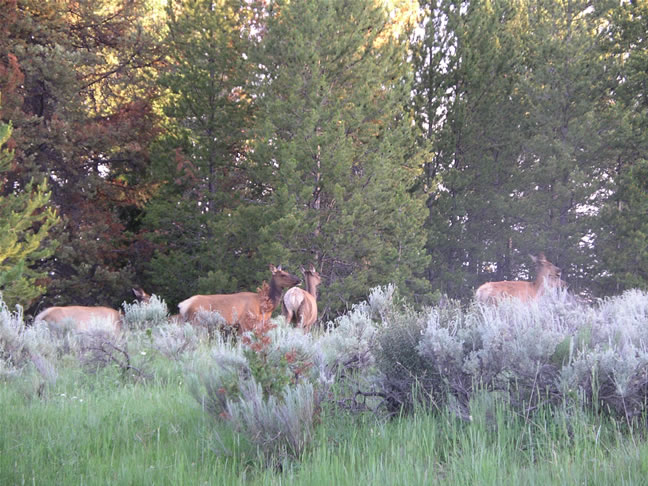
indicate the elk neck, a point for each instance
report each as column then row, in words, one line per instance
column 311, row 287
column 274, row 294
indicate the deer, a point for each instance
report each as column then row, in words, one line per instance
column 301, row 305
column 244, row 310
column 548, row 275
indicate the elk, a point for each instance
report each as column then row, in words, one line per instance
column 144, row 297
column 244, row 310
column 141, row 295
column 81, row 317
column 301, row 305
column 547, row 275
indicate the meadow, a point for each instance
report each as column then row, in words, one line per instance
column 385, row 394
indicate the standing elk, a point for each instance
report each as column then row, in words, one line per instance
column 547, row 275
column 301, row 305
column 244, row 310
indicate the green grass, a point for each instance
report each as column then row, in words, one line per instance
column 432, row 449
column 98, row 429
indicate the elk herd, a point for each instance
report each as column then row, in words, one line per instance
column 243, row 311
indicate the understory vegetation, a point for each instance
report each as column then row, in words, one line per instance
column 519, row 393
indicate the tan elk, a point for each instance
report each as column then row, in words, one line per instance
column 301, row 305
column 548, row 275
column 244, row 310
column 141, row 295
column 81, row 317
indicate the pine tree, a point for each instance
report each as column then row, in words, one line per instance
column 200, row 162
column 74, row 79
column 511, row 94
column 25, row 223
column 621, row 240
column 467, row 64
column 334, row 147
column 565, row 153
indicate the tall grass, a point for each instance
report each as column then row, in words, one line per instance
column 426, row 448
column 508, row 395
column 99, row 431
column 95, row 430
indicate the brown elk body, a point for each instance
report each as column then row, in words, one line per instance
column 81, row 317
column 245, row 309
column 547, row 275
column 301, row 305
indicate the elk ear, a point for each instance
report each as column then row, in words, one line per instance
column 137, row 292
column 533, row 259
column 311, row 268
column 273, row 269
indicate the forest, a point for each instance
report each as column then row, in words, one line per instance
column 184, row 146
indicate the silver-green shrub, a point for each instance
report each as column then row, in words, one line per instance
column 555, row 350
column 348, row 341
column 264, row 388
column 215, row 377
column 145, row 315
column 549, row 351
column 278, row 425
column 175, row 340
column 609, row 359
column 213, row 323
column 23, row 347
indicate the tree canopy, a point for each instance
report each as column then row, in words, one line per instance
column 186, row 145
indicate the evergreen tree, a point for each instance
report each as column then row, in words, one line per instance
column 621, row 240
column 201, row 161
column 74, row 76
column 334, row 147
column 511, row 95
column 25, row 222
column 565, row 153
column 467, row 63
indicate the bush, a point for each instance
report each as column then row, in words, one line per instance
column 280, row 425
column 552, row 351
column 175, row 340
column 213, row 323
column 348, row 342
column 99, row 347
column 216, row 377
column 24, row 348
column 608, row 365
column 264, row 386
column 145, row 315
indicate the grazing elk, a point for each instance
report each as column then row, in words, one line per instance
column 547, row 275
column 243, row 310
column 82, row 317
column 301, row 305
